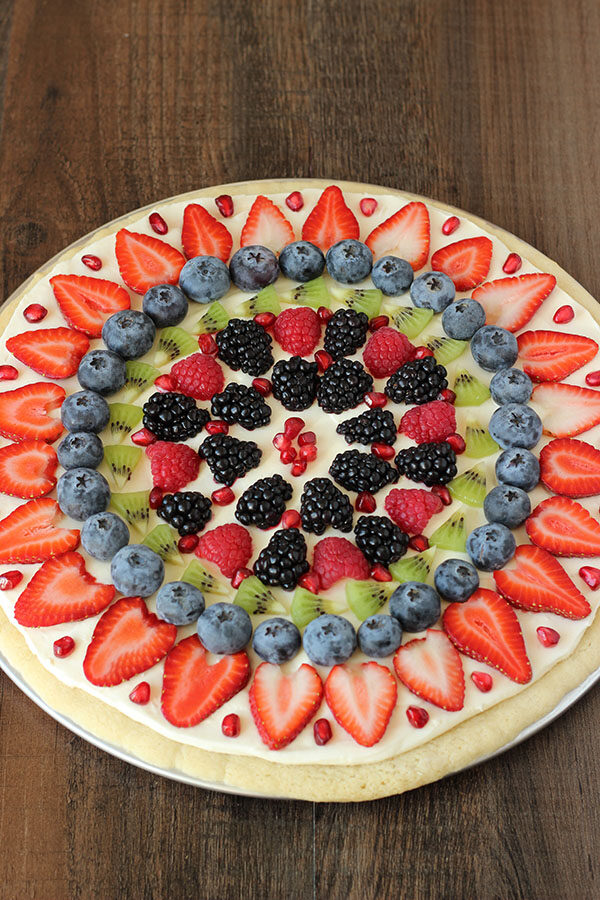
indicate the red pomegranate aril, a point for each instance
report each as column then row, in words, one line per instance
column 483, row 681
column 457, row 443
column 224, row 205
column 222, row 496
column 291, row 519
column 447, row 395
column 187, row 543
column 383, row 451
column 143, row 438
column 294, row 201
column 281, row 441
column 365, row 502
column 155, row 498
column 307, row 437
column 240, row 575
column 230, row 726
column 417, row 716
column 324, row 314
column 164, row 383
column 422, row 352
column 308, row 452
column 563, row 314
column 217, row 427
column 441, row 491
column 419, row 543
column 512, row 264
column 376, row 399
column 368, row 205
column 450, row 225
column 157, row 223
column 8, row 373
column 591, row 576
column 323, row 360
column 266, row 319
column 593, row 378
column 288, row 455
column 378, row 322
column 322, row 732
column 310, row 581
column 92, row 262
column 10, row 579
column 63, row 646
column 293, row 426
column 380, row 573
column 548, row 637
column 140, row 694
column 299, row 467
column 262, row 385
column 207, row 344
column 35, row 312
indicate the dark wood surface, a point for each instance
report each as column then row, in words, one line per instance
column 106, row 106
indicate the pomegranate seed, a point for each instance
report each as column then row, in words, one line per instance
column 307, row 437
column 513, row 263
column 380, row 573
column 422, row 352
column 288, row 455
column 375, row 399
column 323, row 360
column 457, row 443
column 217, row 427
column 155, row 498
column 230, row 726
column 591, row 576
column 188, row 543
column 224, row 205
column 142, row 438
column 293, row 426
column 9, row 580
column 308, row 452
column 365, row 502
column 63, row 646
column 378, row 322
column 281, row 441
column 383, row 451
column 483, row 681
column 266, row 319
column 563, row 314
column 322, row 732
column 450, row 225
column 157, row 223
column 417, row 716
column 299, row 467
column 92, row 262
column 140, row 694
column 593, row 378
column 447, row 395
column 310, row 581
column 240, row 575
column 222, row 496
column 262, row 385
column 324, row 314
column 164, row 383
column 548, row 637
column 419, row 543
column 8, row 373
column 294, row 201
column 208, row 345
column 441, row 491
column 35, row 312
column 368, row 205
column 291, row 519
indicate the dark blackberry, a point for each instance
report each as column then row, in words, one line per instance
column 373, row 426
column 241, row 405
column 429, row 463
column 418, row 381
column 186, row 511
column 343, row 386
column 229, row 458
column 380, row 540
column 173, row 417
column 323, row 504
column 295, row 382
column 263, row 504
column 358, row 471
column 283, row 561
column 244, row 344
column 346, row 331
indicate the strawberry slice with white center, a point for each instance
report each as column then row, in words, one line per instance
column 466, row 262
column 193, row 688
column 511, row 302
column 62, row 591
column 54, row 352
column 283, row 705
column 362, row 700
column 29, row 534
column 24, row 412
column 267, row 226
column 127, row 640
column 86, row 302
column 552, row 355
column 145, row 261
column 564, row 528
column 203, row 235
column 535, row 581
column 567, row 410
column 27, row 469
column 487, row 629
column 330, row 221
column 570, row 468
column 431, row 668
column 405, row 234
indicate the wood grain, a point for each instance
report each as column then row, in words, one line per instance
column 105, row 106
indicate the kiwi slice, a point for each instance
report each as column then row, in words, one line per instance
column 173, row 342
column 123, row 419
column 362, row 300
column 410, row 322
column 134, row 508
column 197, row 575
column 163, row 540
column 307, row 606
column 470, row 487
column 311, row 293
column 479, row 442
column 257, row 599
column 121, row 462
column 266, row 300
column 413, row 568
column 470, row 391
column 365, row 598
column 445, row 349
column 451, row 535
column 139, row 377
column 214, row 319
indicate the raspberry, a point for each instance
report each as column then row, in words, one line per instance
column 431, row 422
column 198, row 376
column 336, row 558
column 411, row 508
column 386, row 351
column 298, row 330
column 229, row 547
column 173, row 465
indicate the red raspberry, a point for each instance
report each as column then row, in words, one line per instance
column 337, row 558
column 298, row 330
column 386, row 351
column 229, row 547
column 173, row 465
column 431, row 422
column 198, row 376
column 411, row 509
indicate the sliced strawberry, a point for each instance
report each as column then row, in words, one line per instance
column 193, row 688
column 330, row 221
column 486, row 628
column 127, row 640
column 203, row 235
column 564, row 528
column 537, row 582
column 28, row 534
column 362, row 700
column 145, row 261
column 570, row 468
column 282, row 705
column 54, row 352
column 431, row 668
column 27, row 469
column 62, row 591
column 266, row 225
column 405, row 234
column 552, row 355
column 511, row 302
column 567, row 410
column 83, row 300
column 466, row 262
column 24, row 412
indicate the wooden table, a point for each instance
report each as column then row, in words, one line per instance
column 492, row 106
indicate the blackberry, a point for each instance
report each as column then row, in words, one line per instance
column 343, row 386
column 244, row 344
column 173, row 417
column 346, row 331
column 283, row 561
column 418, row 381
column 295, row 382
column 263, row 504
column 429, row 463
column 358, row 471
column 323, row 504
column 373, row 426
column 229, row 458
column 186, row 511
column 242, row 405
column 380, row 540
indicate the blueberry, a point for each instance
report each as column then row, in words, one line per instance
column 379, row 636
column 276, row 640
column 166, row 304
column 80, row 450
column 416, row 606
column 137, row 571
column 392, row 275
column 179, row 603
column 518, row 467
column 494, row 348
column 224, row 628
column 85, row 411
column 102, row 371
column 103, row 534
column 510, row 386
column 462, row 319
column 508, row 505
column 349, row 261
column 515, row 425
column 329, row 640
column 204, row 279
column 456, row 579
column 491, row 546
column 253, row 268
column 432, row 290
column 301, row 261
column 129, row 333
column 82, row 492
